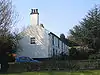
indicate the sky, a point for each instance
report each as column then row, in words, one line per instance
column 57, row 16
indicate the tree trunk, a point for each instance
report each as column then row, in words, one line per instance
column 4, row 63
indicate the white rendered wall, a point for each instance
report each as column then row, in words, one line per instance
column 38, row 50
column 55, row 46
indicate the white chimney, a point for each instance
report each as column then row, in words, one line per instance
column 34, row 17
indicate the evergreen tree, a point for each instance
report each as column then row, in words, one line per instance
column 87, row 33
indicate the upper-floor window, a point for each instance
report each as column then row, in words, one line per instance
column 32, row 40
column 52, row 40
column 58, row 43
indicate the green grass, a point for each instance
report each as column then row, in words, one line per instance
column 88, row 72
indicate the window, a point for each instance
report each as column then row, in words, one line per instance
column 32, row 40
column 52, row 40
column 56, row 52
column 29, row 59
column 58, row 43
column 23, row 58
column 53, row 52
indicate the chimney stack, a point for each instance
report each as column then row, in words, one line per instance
column 34, row 17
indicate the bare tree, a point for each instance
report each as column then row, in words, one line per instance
column 7, row 20
column 8, row 40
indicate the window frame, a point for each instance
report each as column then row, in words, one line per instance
column 32, row 40
column 52, row 40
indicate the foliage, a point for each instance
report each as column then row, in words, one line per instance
column 8, row 40
column 94, row 56
column 87, row 33
column 75, row 54
column 71, row 43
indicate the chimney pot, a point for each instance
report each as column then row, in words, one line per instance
column 31, row 11
column 36, row 10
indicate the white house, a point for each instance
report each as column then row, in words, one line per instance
column 37, row 42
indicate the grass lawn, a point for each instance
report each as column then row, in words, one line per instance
column 88, row 72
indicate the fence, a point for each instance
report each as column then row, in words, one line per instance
column 71, row 65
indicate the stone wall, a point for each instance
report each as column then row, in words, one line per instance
column 55, row 65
